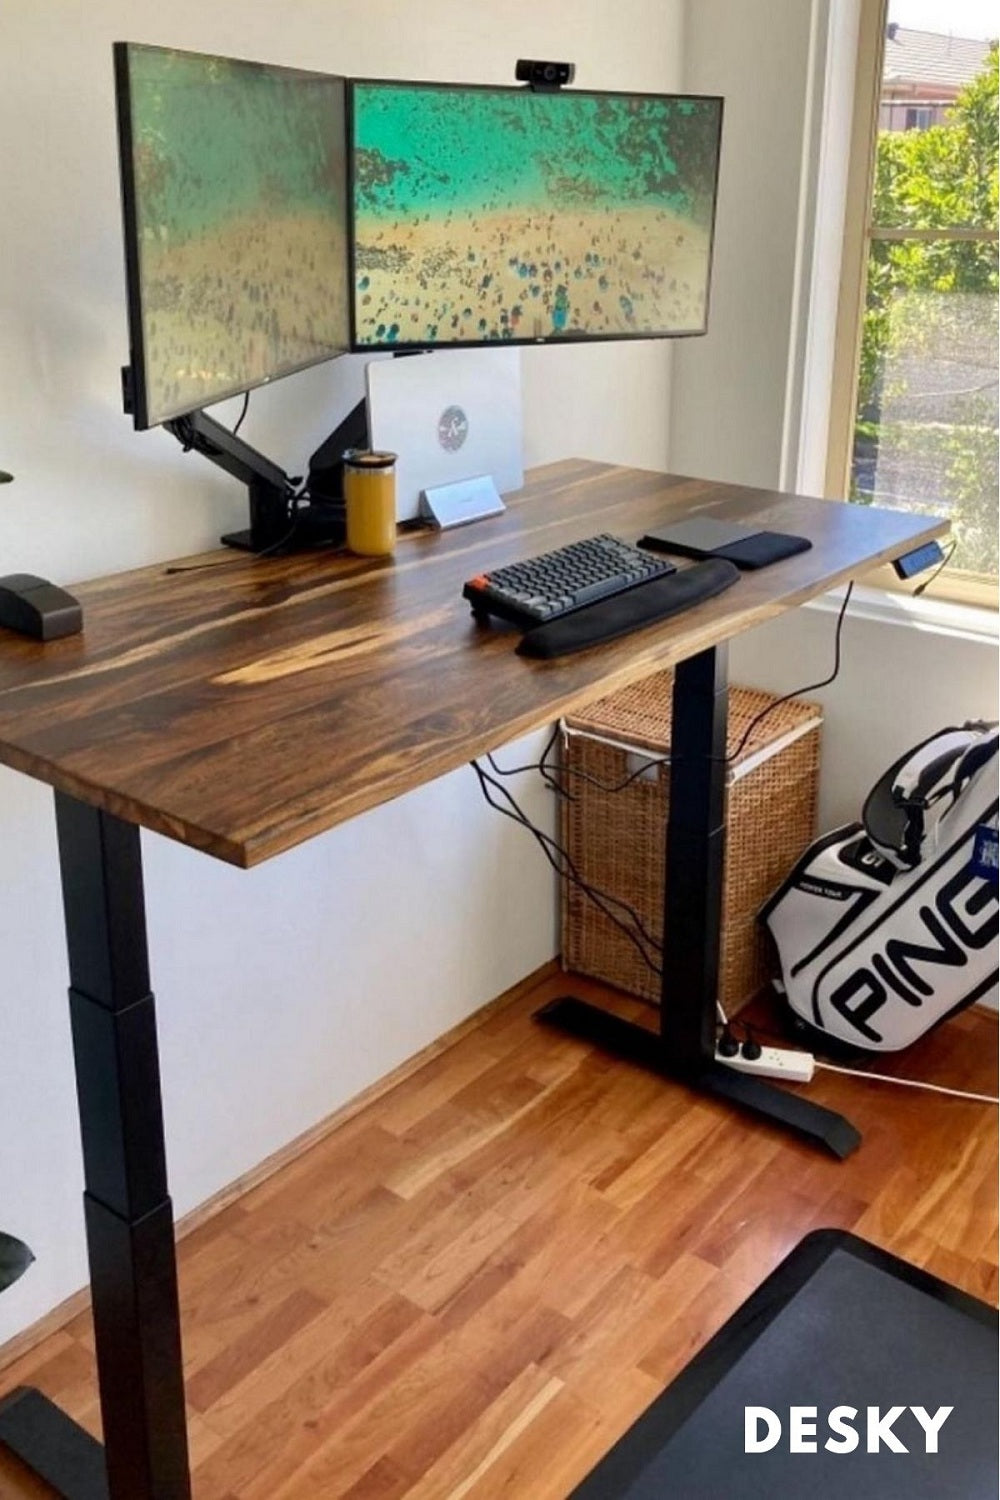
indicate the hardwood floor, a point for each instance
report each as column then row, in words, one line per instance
column 475, row 1284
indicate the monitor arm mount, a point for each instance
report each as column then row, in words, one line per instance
column 284, row 513
column 272, row 493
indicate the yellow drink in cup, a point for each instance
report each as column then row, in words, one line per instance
column 370, row 501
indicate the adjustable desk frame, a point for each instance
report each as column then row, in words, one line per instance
column 128, row 1213
column 129, row 1217
column 684, row 1049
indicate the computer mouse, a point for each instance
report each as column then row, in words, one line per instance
column 35, row 607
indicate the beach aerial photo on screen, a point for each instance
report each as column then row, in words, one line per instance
column 485, row 214
column 241, row 201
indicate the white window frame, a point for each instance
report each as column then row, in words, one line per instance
column 970, row 588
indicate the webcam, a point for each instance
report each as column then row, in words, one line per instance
column 544, row 75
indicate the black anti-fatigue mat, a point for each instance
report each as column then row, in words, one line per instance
column 839, row 1323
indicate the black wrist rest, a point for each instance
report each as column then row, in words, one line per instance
column 606, row 619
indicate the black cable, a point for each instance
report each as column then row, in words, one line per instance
column 648, row 759
column 292, row 494
column 532, row 765
column 941, row 565
column 281, row 542
column 599, row 898
column 567, row 869
column 573, row 872
column 798, row 692
column 239, row 419
column 549, row 776
column 543, row 841
column 224, row 562
column 295, row 490
column 541, row 766
column 560, row 849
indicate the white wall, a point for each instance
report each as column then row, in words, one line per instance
column 281, row 992
column 728, row 395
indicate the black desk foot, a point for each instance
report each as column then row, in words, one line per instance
column 822, row 1126
column 611, row 1033
column 646, row 1049
column 52, row 1445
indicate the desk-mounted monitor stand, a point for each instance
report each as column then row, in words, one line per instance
column 285, row 515
column 684, row 1047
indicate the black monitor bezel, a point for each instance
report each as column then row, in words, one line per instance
column 538, row 342
column 138, row 404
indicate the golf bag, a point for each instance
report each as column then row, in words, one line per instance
column 886, row 927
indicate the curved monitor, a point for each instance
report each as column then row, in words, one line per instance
column 234, row 199
column 484, row 214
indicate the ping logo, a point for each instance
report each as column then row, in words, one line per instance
column 763, row 1429
column 961, row 921
column 452, row 428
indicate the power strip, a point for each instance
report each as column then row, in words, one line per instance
column 774, row 1062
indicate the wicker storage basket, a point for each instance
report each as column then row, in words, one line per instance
column 616, row 838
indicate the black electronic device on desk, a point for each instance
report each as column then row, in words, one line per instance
column 33, row 606
column 710, row 536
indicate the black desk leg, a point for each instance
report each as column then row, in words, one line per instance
column 696, row 847
column 685, row 1047
column 130, row 1234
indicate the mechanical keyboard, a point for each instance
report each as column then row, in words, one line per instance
column 557, row 583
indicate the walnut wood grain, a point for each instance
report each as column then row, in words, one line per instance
column 242, row 705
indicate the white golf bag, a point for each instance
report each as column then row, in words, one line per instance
column 887, row 927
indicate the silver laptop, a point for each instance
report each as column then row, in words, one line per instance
column 450, row 416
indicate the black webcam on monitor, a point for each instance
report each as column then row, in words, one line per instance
column 544, row 75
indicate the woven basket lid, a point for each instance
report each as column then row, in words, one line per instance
column 642, row 714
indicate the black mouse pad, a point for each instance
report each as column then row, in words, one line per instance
column 706, row 537
column 840, row 1323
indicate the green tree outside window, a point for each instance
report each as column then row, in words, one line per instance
column 931, row 306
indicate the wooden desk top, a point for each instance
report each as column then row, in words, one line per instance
column 244, row 705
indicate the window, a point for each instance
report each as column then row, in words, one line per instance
column 915, row 421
